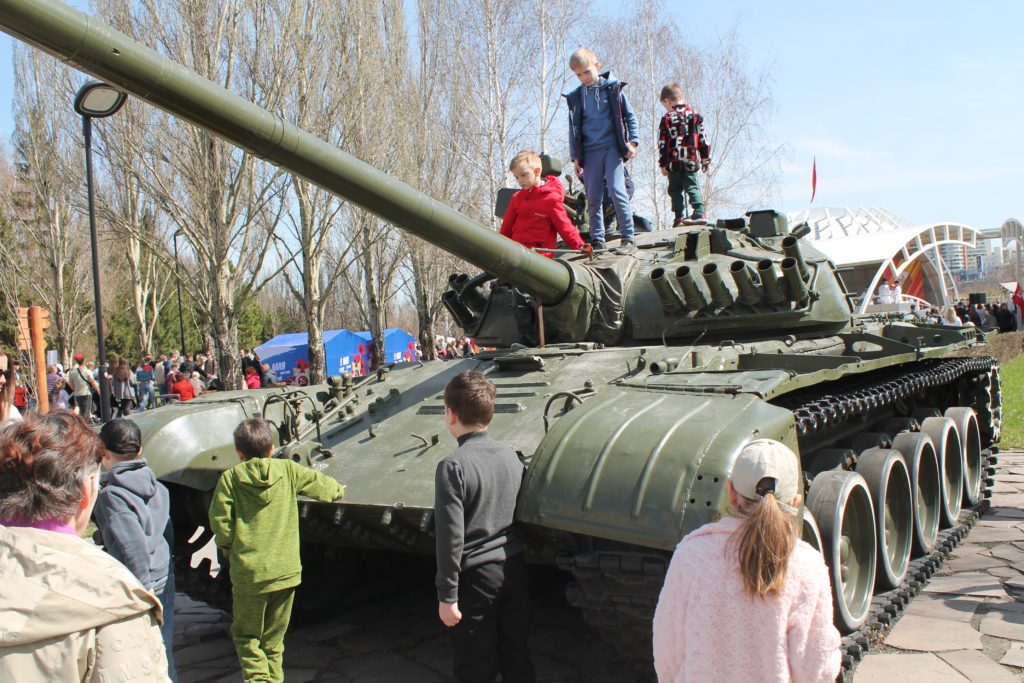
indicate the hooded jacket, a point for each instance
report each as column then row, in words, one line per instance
column 707, row 628
column 535, row 214
column 623, row 119
column 133, row 515
column 73, row 613
column 254, row 517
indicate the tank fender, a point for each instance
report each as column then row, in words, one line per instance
column 644, row 467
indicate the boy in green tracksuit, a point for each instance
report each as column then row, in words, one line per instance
column 255, row 522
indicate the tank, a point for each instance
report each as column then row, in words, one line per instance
column 627, row 381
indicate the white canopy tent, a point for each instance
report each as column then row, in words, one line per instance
column 866, row 243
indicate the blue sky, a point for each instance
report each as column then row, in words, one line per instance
column 914, row 106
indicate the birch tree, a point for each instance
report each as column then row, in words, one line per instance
column 737, row 102
column 223, row 201
column 133, row 219
column 51, row 258
column 314, row 34
column 377, row 69
column 734, row 97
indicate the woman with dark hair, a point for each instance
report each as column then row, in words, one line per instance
column 122, row 387
column 7, row 387
column 69, row 608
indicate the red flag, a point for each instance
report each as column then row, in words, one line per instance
column 1018, row 299
column 814, row 179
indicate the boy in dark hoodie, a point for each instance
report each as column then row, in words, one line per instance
column 603, row 135
column 255, row 521
column 537, row 212
column 133, row 516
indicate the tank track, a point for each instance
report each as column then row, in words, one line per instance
column 887, row 607
column 617, row 585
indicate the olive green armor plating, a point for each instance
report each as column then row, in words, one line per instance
column 655, row 366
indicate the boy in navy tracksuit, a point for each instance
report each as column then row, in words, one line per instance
column 602, row 136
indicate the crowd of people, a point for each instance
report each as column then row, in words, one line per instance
column 988, row 316
column 448, row 348
column 172, row 377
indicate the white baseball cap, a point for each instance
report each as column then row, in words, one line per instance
column 766, row 459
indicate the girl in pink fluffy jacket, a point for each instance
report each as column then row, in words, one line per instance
column 744, row 598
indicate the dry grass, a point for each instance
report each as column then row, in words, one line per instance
column 1003, row 347
column 1007, row 349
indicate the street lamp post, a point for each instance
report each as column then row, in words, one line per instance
column 177, row 282
column 97, row 100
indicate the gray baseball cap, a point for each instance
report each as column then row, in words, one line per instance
column 766, row 459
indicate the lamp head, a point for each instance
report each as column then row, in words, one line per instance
column 98, row 100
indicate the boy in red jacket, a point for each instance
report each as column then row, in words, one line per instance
column 537, row 212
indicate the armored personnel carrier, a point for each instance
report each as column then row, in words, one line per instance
column 646, row 372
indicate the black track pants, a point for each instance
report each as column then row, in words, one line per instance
column 491, row 638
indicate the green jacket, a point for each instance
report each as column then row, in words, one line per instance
column 255, row 520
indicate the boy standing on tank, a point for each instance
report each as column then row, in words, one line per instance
column 536, row 212
column 481, row 574
column 682, row 149
column 602, row 137
column 255, row 522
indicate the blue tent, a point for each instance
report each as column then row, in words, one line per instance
column 396, row 344
column 341, row 348
column 283, row 352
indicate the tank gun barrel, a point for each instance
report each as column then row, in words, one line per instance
column 97, row 49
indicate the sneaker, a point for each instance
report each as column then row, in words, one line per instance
column 598, row 245
column 697, row 216
column 677, row 222
column 627, row 246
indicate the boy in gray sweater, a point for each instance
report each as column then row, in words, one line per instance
column 133, row 515
column 481, row 574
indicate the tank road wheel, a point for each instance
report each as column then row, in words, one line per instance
column 942, row 431
column 841, row 502
column 885, row 472
column 919, row 454
column 810, row 531
column 970, row 445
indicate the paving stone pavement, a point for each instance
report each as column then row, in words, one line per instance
column 396, row 640
column 968, row 623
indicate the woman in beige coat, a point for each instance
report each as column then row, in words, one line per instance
column 68, row 611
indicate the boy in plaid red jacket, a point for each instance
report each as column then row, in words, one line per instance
column 682, row 149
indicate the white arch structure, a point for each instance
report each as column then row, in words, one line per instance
column 879, row 237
